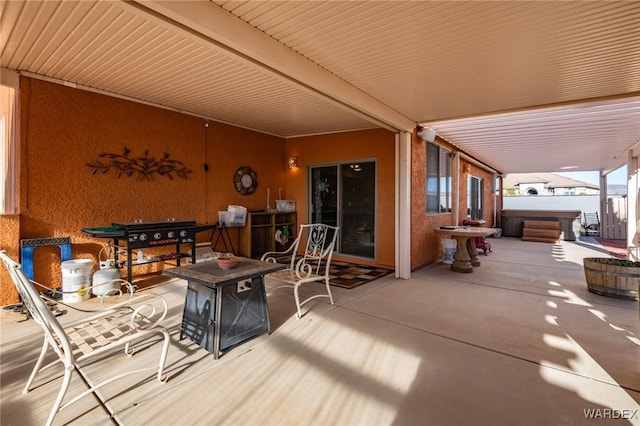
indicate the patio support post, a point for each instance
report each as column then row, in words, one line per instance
column 633, row 205
column 403, row 205
column 604, row 211
column 456, row 201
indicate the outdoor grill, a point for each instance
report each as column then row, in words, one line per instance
column 139, row 235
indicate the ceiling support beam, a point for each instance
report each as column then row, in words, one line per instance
column 9, row 78
column 220, row 29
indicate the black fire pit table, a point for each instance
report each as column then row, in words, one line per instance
column 224, row 308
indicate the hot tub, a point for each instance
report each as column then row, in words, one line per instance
column 513, row 221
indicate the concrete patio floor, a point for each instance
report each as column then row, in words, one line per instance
column 518, row 341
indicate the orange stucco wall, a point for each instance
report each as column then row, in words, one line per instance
column 375, row 144
column 425, row 244
column 63, row 129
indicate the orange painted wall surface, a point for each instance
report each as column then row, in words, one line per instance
column 63, row 129
column 378, row 144
column 425, row 246
column 9, row 241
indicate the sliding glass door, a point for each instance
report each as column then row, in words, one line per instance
column 324, row 195
column 344, row 195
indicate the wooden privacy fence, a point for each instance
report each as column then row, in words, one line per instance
column 614, row 219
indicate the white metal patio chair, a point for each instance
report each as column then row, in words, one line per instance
column 312, row 264
column 119, row 325
column 591, row 223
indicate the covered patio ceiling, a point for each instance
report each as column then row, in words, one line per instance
column 521, row 86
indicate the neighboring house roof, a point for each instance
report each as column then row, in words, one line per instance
column 550, row 181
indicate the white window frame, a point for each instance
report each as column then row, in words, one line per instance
column 440, row 178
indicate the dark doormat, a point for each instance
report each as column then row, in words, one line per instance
column 349, row 275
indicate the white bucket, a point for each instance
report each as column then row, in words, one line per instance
column 448, row 250
column 76, row 278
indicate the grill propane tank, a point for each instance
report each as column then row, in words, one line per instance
column 106, row 278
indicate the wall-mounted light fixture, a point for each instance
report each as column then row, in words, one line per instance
column 293, row 162
column 427, row 134
column 466, row 169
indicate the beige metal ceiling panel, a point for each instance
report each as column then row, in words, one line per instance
column 444, row 64
column 451, row 59
column 207, row 20
column 592, row 136
column 439, row 60
column 106, row 47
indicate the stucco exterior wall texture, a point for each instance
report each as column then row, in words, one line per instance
column 425, row 244
column 425, row 247
column 378, row 144
column 63, row 129
column 9, row 241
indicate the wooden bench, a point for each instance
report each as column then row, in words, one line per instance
column 541, row 231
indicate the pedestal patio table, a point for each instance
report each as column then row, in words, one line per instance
column 466, row 255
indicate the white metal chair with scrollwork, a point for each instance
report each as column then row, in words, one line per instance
column 591, row 223
column 309, row 265
column 119, row 325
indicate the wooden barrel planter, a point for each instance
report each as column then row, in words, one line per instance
column 612, row 277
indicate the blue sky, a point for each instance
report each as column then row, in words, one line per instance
column 617, row 177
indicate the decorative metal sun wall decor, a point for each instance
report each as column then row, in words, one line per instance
column 145, row 167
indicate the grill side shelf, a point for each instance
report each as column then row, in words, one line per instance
column 104, row 232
